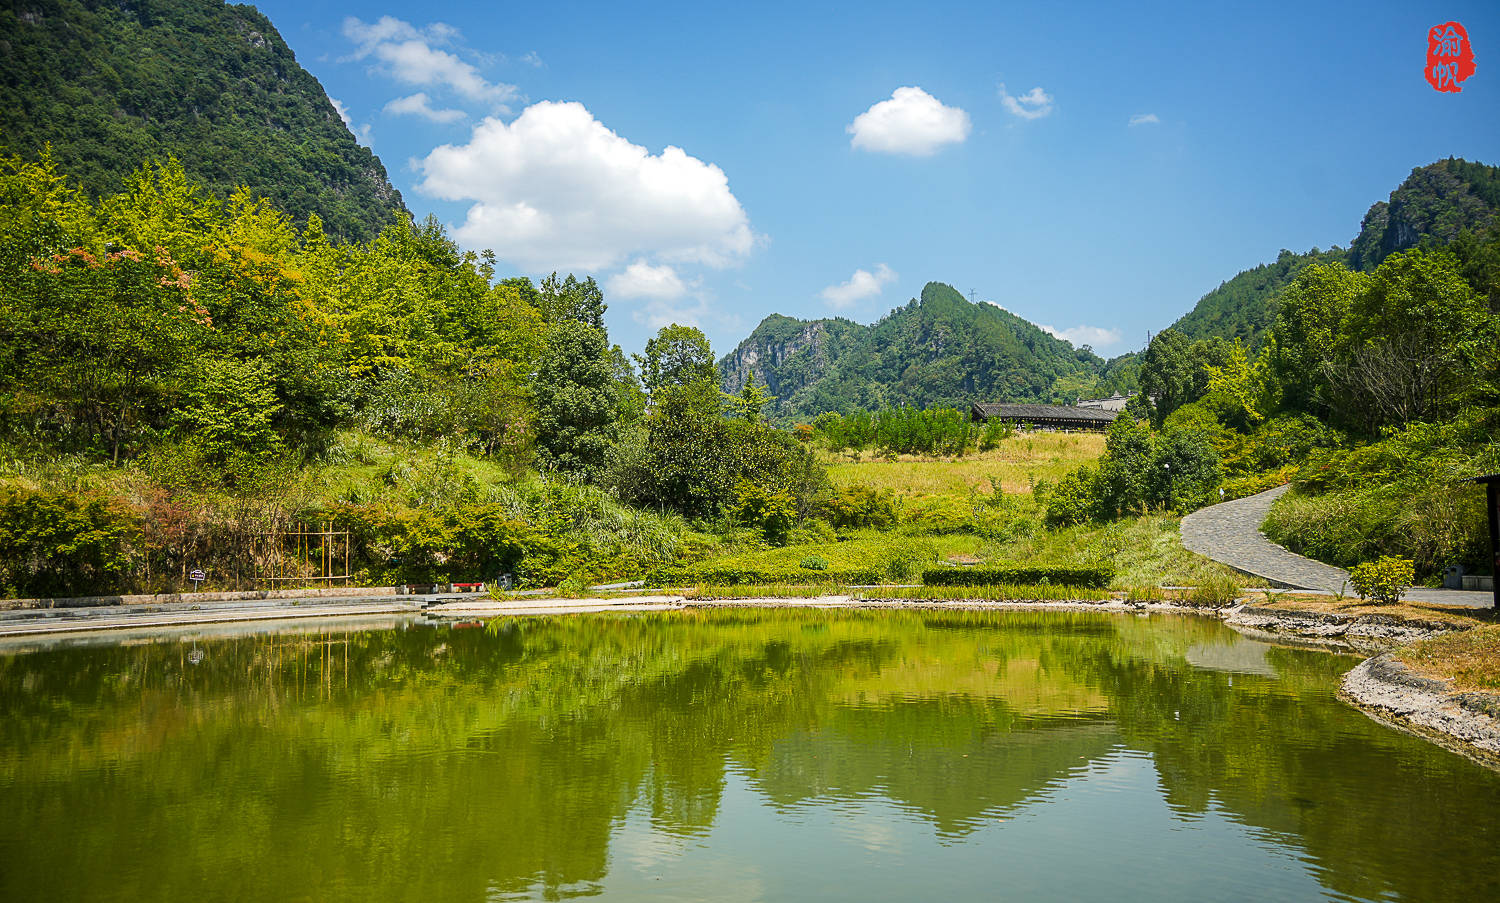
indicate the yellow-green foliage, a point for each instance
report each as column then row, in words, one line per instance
column 1383, row 580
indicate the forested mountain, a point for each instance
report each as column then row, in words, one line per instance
column 787, row 355
column 1433, row 206
column 1241, row 308
column 111, row 85
column 940, row 349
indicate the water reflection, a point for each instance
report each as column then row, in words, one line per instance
column 727, row 755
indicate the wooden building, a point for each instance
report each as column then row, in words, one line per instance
column 1046, row 416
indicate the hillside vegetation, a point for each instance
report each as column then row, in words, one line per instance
column 110, row 86
column 1377, row 394
column 183, row 379
column 1444, row 202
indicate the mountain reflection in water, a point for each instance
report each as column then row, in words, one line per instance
column 728, row 755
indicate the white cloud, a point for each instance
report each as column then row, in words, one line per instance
column 388, row 28
column 642, row 280
column 1034, row 104
column 531, row 59
column 863, row 284
column 418, row 105
column 555, row 189
column 362, row 132
column 1144, row 119
column 658, row 313
column 1096, row 336
column 407, row 54
column 912, row 122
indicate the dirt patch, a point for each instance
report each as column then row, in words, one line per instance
column 1471, row 659
column 1366, row 631
column 1353, row 607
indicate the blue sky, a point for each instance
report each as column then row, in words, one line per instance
column 1095, row 170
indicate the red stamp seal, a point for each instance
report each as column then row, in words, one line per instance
column 1450, row 57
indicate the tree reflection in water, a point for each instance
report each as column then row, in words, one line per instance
column 428, row 763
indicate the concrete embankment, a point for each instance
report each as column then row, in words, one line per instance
column 251, row 595
column 19, row 622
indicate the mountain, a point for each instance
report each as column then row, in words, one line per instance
column 1433, row 206
column 112, row 84
column 1241, row 308
column 940, row 349
column 787, row 355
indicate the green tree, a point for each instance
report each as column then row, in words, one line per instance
column 751, row 403
column 1168, row 373
column 676, row 356
column 1125, row 479
column 1234, row 389
column 1309, row 317
column 570, row 299
column 577, row 399
column 1184, row 470
column 1414, row 343
column 228, row 408
column 632, row 396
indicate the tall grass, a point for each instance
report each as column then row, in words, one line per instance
column 767, row 591
column 1435, row 526
column 1015, row 465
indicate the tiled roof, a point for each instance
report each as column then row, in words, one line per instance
column 1044, row 412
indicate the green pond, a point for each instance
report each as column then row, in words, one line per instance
column 723, row 755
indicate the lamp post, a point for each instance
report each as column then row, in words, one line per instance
column 1492, row 508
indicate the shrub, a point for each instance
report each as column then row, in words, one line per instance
column 771, row 511
column 814, row 563
column 1071, row 501
column 62, row 544
column 908, row 558
column 811, row 532
column 741, row 575
column 1383, row 580
column 1254, row 483
column 939, row 515
column 853, row 507
column 1086, row 575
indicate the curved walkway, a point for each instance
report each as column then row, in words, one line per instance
column 1229, row 533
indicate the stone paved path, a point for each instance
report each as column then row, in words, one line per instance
column 1230, row 533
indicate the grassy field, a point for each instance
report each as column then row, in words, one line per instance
column 950, row 509
column 1017, row 465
